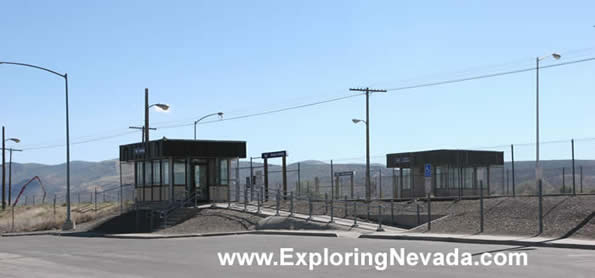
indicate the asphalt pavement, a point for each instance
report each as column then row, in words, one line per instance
column 67, row 256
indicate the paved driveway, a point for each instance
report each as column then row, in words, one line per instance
column 52, row 256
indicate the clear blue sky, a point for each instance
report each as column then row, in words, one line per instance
column 243, row 57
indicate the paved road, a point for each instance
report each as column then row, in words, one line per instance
column 51, row 256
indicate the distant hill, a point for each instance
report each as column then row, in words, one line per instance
column 85, row 176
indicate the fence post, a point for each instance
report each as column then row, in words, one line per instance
column 368, row 207
column 278, row 200
column 513, row 180
column 326, row 202
column 430, row 208
column 258, row 201
column 380, row 183
column 54, row 204
column 573, row 171
column 417, row 215
column 581, row 178
column 95, row 199
column 12, row 225
column 332, row 212
column 309, row 208
column 346, row 207
column 540, row 207
column 563, row 180
column 380, row 229
column 392, row 212
column 481, row 206
column 291, row 204
column 354, row 215
column 246, row 200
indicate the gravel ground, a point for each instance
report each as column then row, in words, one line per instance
column 516, row 216
column 502, row 216
column 215, row 220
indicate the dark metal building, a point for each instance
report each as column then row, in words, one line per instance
column 452, row 172
column 172, row 170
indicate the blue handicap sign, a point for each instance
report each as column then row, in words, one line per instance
column 428, row 170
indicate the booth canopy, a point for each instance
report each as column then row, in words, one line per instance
column 460, row 158
column 183, row 148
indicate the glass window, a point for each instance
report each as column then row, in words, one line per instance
column 148, row 175
column 165, row 171
column 138, row 175
column 156, row 172
column 406, row 178
column 180, row 172
column 223, row 172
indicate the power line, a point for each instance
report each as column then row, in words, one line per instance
column 438, row 83
column 422, row 85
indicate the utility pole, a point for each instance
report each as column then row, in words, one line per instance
column 367, row 91
column 3, row 171
column 142, row 129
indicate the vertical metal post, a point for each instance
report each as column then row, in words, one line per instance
column 346, row 208
column 540, row 207
column 581, row 177
column 54, row 205
column 394, row 185
column 266, row 180
column 309, row 208
column 332, row 182
column 380, row 229
column 368, row 191
column 246, row 199
column 278, row 200
column 430, row 209
column 252, row 181
column 3, row 170
column 380, row 183
column 354, row 215
column 417, row 214
column 563, row 180
column 326, row 202
column 332, row 212
column 368, row 207
column 513, row 179
column 12, row 225
column 259, row 199
column 284, row 176
column 291, row 204
column 573, row 171
column 351, row 186
column 481, row 206
column 96, row 199
column 392, row 212
column 299, row 179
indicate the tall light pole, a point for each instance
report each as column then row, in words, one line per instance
column 367, row 122
column 220, row 114
column 10, row 150
column 68, row 224
column 537, row 164
column 161, row 106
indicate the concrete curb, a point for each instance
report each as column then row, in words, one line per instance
column 261, row 232
column 484, row 241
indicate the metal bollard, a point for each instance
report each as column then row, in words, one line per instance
column 354, row 215
column 380, row 229
column 332, row 212
column 278, row 200
column 291, row 204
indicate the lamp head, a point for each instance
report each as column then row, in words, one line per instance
column 556, row 56
column 355, row 121
column 16, row 140
column 220, row 114
column 162, row 106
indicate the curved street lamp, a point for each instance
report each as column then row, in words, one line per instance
column 537, row 164
column 68, row 224
column 220, row 114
